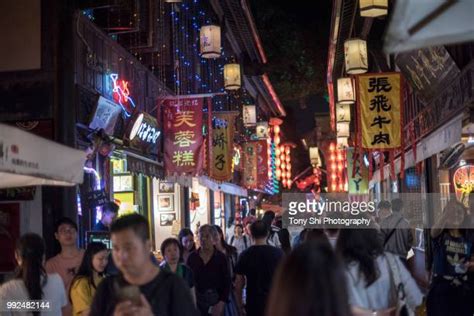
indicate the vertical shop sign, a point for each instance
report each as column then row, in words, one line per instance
column 358, row 174
column 222, row 144
column 380, row 110
column 183, row 136
column 250, row 165
column 262, row 164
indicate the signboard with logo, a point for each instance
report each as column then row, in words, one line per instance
column 106, row 115
column 143, row 133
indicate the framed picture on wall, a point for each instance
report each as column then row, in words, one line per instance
column 167, row 219
column 166, row 187
column 165, row 203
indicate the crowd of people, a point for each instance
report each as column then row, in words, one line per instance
column 253, row 271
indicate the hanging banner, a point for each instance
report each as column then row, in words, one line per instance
column 249, row 114
column 380, row 109
column 249, row 179
column 222, row 145
column 183, row 136
column 262, row 164
column 357, row 174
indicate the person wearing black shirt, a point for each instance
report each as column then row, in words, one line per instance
column 255, row 268
column 211, row 274
column 109, row 213
column 160, row 292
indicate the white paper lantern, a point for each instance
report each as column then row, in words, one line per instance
column 314, row 157
column 355, row 56
column 345, row 91
column 232, row 79
column 373, row 8
column 343, row 113
column 249, row 114
column 343, row 129
column 210, row 41
column 342, row 142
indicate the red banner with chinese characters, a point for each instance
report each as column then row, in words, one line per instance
column 249, row 179
column 222, row 145
column 262, row 164
column 184, row 150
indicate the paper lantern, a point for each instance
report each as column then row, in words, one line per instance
column 314, row 157
column 343, row 113
column 355, row 56
column 287, row 150
column 262, row 130
column 210, row 41
column 342, row 142
column 373, row 8
column 232, row 79
column 343, row 129
column 345, row 91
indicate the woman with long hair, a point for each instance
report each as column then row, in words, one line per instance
column 88, row 278
column 186, row 240
column 310, row 281
column 451, row 289
column 31, row 281
column 371, row 274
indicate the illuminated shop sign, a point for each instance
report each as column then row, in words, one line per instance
column 143, row 132
column 121, row 94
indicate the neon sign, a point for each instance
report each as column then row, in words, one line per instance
column 463, row 180
column 121, row 95
column 145, row 130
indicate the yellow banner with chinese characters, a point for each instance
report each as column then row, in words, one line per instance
column 380, row 108
column 357, row 174
column 222, row 145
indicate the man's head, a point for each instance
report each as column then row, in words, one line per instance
column 109, row 213
column 208, row 236
column 397, row 205
column 259, row 230
column 384, row 209
column 238, row 230
column 268, row 218
column 66, row 232
column 131, row 243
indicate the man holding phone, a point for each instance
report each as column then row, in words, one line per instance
column 140, row 288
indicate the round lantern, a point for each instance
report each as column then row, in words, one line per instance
column 289, row 182
column 278, row 173
column 276, row 129
column 283, row 165
column 287, row 150
column 277, row 162
column 373, row 8
column 343, row 113
column 232, row 80
column 288, row 158
column 284, row 182
column 355, row 56
column 345, row 91
column 210, row 41
column 288, row 174
column 343, row 129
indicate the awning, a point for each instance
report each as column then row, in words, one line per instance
column 27, row 160
column 444, row 137
column 417, row 24
column 225, row 187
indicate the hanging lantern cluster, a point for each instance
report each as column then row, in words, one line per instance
column 355, row 56
column 210, row 41
column 285, row 166
column 336, row 177
column 373, row 8
column 232, row 77
column 272, row 186
column 276, row 141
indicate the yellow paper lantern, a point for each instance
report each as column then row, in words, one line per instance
column 342, row 142
column 373, row 8
column 210, row 41
column 345, row 91
column 355, row 56
column 314, row 157
column 343, row 113
column 232, row 79
column 343, row 129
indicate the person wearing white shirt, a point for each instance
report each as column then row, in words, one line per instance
column 32, row 282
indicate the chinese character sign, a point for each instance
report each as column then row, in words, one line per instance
column 262, row 164
column 357, row 174
column 380, row 110
column 250, row 165
column 222, row 145
column 183, row 136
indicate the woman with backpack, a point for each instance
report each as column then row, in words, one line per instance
column 239, row 240
column 375, row 280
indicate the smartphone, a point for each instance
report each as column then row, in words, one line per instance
column 130, row 293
